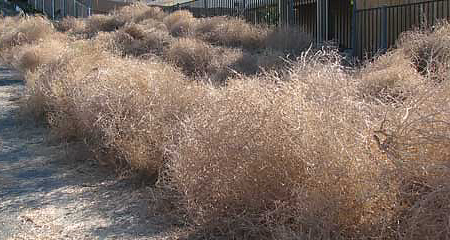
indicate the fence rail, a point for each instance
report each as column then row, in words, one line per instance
column 61, row 8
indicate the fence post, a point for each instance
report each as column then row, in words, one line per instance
column 354, row 31
column 43, row 7
column 74, row 8
column 89, row 12
column 53, row 9
column 384, row 26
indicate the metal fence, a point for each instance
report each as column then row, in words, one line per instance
column 61, row 8
column 302, row 14
column 298, row 13
column 254, row 11
column 365, row 31
column 377, row 29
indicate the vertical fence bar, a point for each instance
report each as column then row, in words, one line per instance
column 377, row 36
column 326, row 16
column 410, row 22
column 367, row 32
column 384, row 27
column 354, row 32
column 244, row 11
column 319, row 21
column 281, row 12
column 371, row 33
column 53, row 9
column 205, row 14
column 433, row 11
column 361, row 33
column 398, row 21
column 291, row 12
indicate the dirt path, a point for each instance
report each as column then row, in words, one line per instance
column 46, row 193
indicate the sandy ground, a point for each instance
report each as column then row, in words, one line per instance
column 48, row 192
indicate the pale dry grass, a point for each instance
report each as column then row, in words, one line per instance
column 16, row 31
column 429, row 50
column 266, row 155
column 288, row 39
column 71, row 25
column 138, row 12
column 103, row 23
column 116, row 42
column 30, row 57
column 414, row 136
column 180, row 23
column 136, row 40
column 390, row 78
column 313, row 151
column 233, row 32
column 151, row 23
column 147, row 39
column 92, row 95
column 196, row 57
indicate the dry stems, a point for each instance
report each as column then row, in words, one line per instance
column 311, row 153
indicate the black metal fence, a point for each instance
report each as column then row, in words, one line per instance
column 254, row 11
column 365, row 31
column 302, row 14
column 298, row 13
column 377, row 29
column 56, row 9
